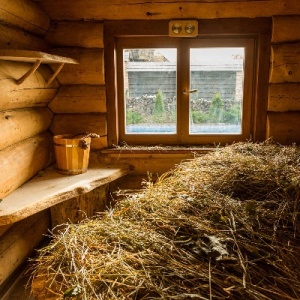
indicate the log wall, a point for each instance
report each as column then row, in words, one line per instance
column 77, row 102
column 170, row 9
column 284, row 90
column 77, row 29
column 19, row 241
column 80, row 104
column 25, row 141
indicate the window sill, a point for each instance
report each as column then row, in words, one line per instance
column 151, row 160
column 157, row 150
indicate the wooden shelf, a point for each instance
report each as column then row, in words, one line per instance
column 37, row 58
column 32, row 56
column 49, row 188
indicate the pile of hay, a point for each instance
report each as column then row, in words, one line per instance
column 221, row 226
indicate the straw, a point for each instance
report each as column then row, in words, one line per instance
column 224, row 225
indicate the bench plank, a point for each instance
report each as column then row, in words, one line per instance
column 49, row 187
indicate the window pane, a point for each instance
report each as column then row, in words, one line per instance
column 216, row 82
column 150, row 91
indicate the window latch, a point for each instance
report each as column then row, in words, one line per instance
column 185, row 92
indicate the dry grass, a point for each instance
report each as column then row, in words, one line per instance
column 221, row 226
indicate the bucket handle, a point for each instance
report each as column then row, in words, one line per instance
column 83, row 144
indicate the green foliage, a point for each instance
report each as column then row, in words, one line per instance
column 216, row 108
column 199, row 117
column 217, row 113
column 233, row 116
column 159, row 114
column 133, row 117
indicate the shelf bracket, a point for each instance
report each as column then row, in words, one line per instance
column 37, row 58
column 31, row 71
column 35, row 67
column 59, row 68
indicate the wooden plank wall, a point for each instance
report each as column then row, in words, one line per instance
column 25, row 142
column 284, row 90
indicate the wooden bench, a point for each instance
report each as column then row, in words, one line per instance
column 49, row 188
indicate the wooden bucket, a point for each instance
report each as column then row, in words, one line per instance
column 72, row 154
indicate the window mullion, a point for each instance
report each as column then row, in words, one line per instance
column 183, row 84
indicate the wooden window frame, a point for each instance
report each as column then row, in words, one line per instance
column 258, row 29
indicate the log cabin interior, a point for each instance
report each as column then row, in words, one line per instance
column 60, row 66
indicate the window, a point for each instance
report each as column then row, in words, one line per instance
column 200, row 90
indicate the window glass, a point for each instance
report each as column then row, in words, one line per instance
column 185, row 91
column 216, row 90
column 149, row 78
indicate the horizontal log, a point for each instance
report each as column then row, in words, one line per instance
column 161, row 27
column 284, row 97
column 156, row 163
column 150, row 10
column 76, row 123
column 18, row 125
column 31, row 93
column 99, row 143
column 285, row 29
column 4, row 228
column 21, row 98
column 129, row 182
column 75, row 34
column 120, row 2
column 20, row 241
column 79, row 208
column 24, row 14
column 90, row 69
column 284, row 127
column 285, row 63
column 79, row 99
column 21, row 161
column 14, row 38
